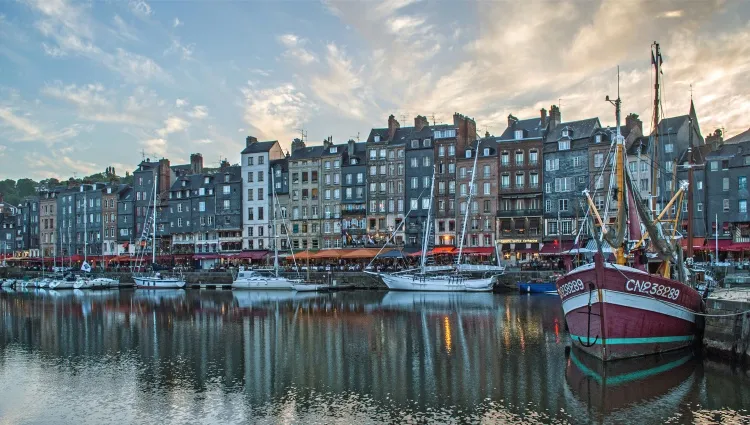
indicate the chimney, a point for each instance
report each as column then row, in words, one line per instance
column 196, row 163
column 350, row 147
column 297, row 144
column 543, row 118
column 165, row 175
column 392, row 126
column 465, row 134
column 512, row 120
column 715, row 140
column 486, row 134
column 420, row 122
column 632, row 121
column 224, row 165
column 250, row 140
column 554, row 116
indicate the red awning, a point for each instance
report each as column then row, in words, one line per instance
column 482, row 250
column 724, row 244
column 737, row 247
column 250, row 255
column 443, row 250
column 698, row 243
column 212, row 256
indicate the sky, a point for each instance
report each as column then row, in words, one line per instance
column 87, row 85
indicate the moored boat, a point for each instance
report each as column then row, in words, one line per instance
column 537, row 287
column 158, row 281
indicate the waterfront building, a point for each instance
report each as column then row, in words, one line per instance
column 47, row 219
column 330, row 193
column 304, row 188
column 353, row 190
column 566, row 175
column 727, row 174
column 396, row 206
column 418, row 177
column 279, row 207
column 88, row 220
column 520, row 172
column 27, row 227
column 126, row 235
column 256, row 158
column 480, row 224
column 110, row 197
column 7, row 233
column 378, row 143
column 143, row 186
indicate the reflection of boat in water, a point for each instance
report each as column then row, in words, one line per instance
column 610, row 386
column 158, row 295
column 437, row 300
column 246, row 299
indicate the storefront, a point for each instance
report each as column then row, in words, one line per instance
column 519, row 250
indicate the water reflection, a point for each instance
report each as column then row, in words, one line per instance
column 189, row 356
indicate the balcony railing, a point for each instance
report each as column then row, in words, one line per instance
column 520, row 213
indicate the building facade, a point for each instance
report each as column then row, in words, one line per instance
column 330, row 193
column 479, row 161
column 256, row 158
column 47, row 222
column 379, row 142
column 304, row 195
column 727, row 173
column 144, row 205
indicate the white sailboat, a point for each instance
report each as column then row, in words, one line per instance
column 427, row 278
column 268, row 279
column 156, row 280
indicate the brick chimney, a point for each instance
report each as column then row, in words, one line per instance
column 632, row 121
column 250, row 140
column 554, row 116
column 350, row 147
column 512, row 120
column 715, row 140
column 196, row 163
column 392, row 126
column 224, row 165
column 297, row 144
column 165, row 176
column 420, row 122
column 328, row 142
column 465, row 134
column 543, row 113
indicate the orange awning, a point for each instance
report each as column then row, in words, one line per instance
column 328, row 253
column 304, row 255
column 364, row 253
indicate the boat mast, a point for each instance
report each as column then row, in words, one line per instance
column 468, row 205
column 153, row 231
column 619, row 162
column 275, row 237
column 425, row 243
column 690, row 190
column 85, row 229
column 656, row 61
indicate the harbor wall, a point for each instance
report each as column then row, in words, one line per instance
column 728, row 337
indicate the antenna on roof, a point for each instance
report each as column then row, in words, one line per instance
column 143, row 154
column 357, row 136
column 302, row 134
column 436, row 119
column 403, row 117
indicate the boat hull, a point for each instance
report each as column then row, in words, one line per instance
column 617, row 312
column 158, row 283
column 442, row 284
column 262, row 283
column 537, row 288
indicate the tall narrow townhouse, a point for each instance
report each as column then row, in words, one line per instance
column 566, row 175
column 278, row 203
column 479, row 214
column 126, row 221
column 304, row 188
column 354, row 195
column 48, row 220
column 110, row 196
column 143, row 204
column 519, row 214
column 330, row 190
column 395, row 188
column 256, row 158
column 378, row 143
column 228, row 213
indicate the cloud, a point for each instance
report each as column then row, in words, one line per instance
column 86, row 96
column 140, row 8
column 176, row 23
column 155, row 146
column 180, row 103
column 173, row 124
column 200, row 142
column 294, row 49
column 198, row 112
column 3, row 148
column 27, row 129
column 124, row 30
column 276, row 112
column 185, row 51
column 135, row 67
column 342, row 88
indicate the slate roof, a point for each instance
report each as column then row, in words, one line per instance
column 308, row 152
column 532, row 128
column 742, row 137
column 731, row 150
column 581, row 129
column 644, row 141
column 670, row 126
column 340, row 149
column 259, row 147
column 382, row 132
column 487, row 142
column 283, row 162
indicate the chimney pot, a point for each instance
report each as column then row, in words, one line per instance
column 420, row 122
column 392, row 126
column 250, row 140
column 543, row 117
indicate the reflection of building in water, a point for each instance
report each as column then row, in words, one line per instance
column 453, row 349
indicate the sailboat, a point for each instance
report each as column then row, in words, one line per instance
column 268, row 279
column 156, row 280
column 429, row 277
column 616, row 311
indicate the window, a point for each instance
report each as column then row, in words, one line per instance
column 486, row 171
column 562, row 204
column 598, row 160
column 382, row 154
column 533, row 180
column 598, row 138
column 741, row 182
column 519, row 157
column 226, row 190
column 726, row 205
column 487, row 206
column 425, row 203
column 700, row 206
column 249, row 160
column 414, row 163
column 414, row 204
column 552, row 227
column 260, row 213
column 518, row 134
column 599, row 201
column 373, row 170
column 227, row 204
column 552, row 164
column 742, row 206
column 426, row 161
column 505, row 181
column 505, row 159
column 451, row 168
column 441, row 151
column 566, row 227
column 426, row 143
column 374, row 152
column 725, row 184
column 414, row 183
column 548, row 187
column 463, row 190
column 564, row 184
column 249, row 177
column 451, row 187
column 714, row 165
column 533, row 157
column 486, row 152
column 486, row 188
column 467, row 154
column 250, row 215
column 668, row 166
column 563, row 145
column 201, row 206
column 700, row 184
column 519, row 180
column 426, row 182
column 414, row 144
column 668, row 148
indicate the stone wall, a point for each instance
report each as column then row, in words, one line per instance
column 728, row 337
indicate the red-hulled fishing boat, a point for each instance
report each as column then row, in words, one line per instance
column 616, row 311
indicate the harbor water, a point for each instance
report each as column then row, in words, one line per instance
column 362, row 357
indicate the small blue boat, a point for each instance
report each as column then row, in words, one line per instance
column 537, row 287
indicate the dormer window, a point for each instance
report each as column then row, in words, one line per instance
column 183, row 183
column 468, row 153
column 486, row 151
column 598, row 138
column 565, row 133
column 226, row 178
column 426, row 143
column 563, row 145
column 519, row 134
column 334, row 149
column 353, row 161
column 414, row 144
column 376, row 138
column 205, row 180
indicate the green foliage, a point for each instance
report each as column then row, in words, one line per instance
column 14, row 191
